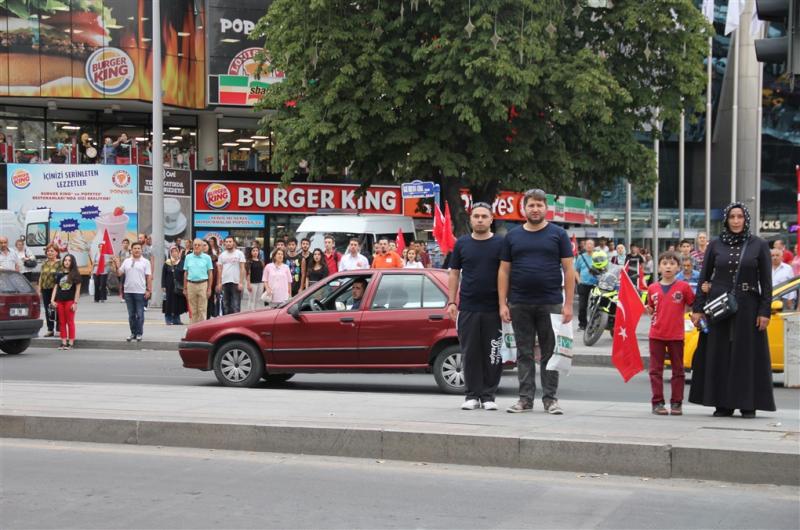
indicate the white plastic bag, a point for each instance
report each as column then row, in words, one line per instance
column 561, row 360
column 508, row 349
column 91, row 285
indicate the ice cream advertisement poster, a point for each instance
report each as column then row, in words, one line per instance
column 84, row 200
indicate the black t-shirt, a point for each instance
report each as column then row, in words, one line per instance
column 478, row 261
column 256, row 271
column 65, row 289
column 535, row 257
column 123, row 150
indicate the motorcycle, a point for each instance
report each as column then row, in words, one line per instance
column 602, row 308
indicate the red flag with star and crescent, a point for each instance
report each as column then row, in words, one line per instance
column 625, row 350
column 106, row 248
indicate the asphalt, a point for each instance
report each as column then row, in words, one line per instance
column 592, row 437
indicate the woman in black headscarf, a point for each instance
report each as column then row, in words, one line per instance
column 731, row 367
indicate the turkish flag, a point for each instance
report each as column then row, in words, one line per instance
column 447, row 231
column 400, row 241
column 625, row 350
column 105, row 248
column 438, row 224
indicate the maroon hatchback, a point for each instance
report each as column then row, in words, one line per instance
column 20, row 309
column 398, row 325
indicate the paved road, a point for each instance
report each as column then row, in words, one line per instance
column 164, row 368
column 71, row 485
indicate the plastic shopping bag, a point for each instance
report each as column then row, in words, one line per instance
column 561, row 360
column 91, row 286
column 508, row 349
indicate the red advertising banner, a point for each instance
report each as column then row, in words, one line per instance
column 270, row 197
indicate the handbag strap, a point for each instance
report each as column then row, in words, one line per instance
column 739, row 265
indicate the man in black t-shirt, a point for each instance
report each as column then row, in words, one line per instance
column 529, row 285
column 633, row 261
column 476, row 257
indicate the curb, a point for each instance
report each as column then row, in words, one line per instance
column 579, row 359
column 617, row 458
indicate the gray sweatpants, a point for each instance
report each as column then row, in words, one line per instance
column 528, row 322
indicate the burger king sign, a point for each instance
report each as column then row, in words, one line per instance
column 110, row 71
column 21, row 179
column 218, row 196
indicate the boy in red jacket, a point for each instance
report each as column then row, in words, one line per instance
column 666, row 303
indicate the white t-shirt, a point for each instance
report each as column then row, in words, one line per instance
column 230, row 262
column 350, row 262
column 10, row 261
column 413, row 265
column 782, row 274
column 136, row 272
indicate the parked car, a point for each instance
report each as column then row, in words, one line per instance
column 20, row 309
column 774, row 330
column 401, row 326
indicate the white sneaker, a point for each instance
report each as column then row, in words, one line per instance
column 489, row 405
column 553, row 408
column 471, row 404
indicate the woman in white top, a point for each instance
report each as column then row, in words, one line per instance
column 411, row 260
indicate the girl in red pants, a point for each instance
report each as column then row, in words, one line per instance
column 65, row 298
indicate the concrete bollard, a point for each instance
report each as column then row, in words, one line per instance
column 791, row 350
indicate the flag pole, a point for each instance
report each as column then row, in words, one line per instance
column 709, row 118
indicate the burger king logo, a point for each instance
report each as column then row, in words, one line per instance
column 110, row 71
column 121, row 178
column 21, row 179
column 218, row 196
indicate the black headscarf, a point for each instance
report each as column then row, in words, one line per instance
column 728, row 237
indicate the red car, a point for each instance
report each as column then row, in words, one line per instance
column 400, row 326
column 20, row 308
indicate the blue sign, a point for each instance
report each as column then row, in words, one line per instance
column 90, row 212
column 228, row 220
column 418, row 189
column 69, row 225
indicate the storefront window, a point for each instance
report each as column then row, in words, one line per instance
column 244, row 150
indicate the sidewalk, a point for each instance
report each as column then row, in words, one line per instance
column 592, row 437
column 105, row 326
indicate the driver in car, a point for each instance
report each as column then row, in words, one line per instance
column 357, row 291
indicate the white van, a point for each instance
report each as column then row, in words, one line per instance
column 367, row 228
column 34, row 225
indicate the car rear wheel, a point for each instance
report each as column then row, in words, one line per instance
column 448, row 370
column 13, row 347
column 238, row 363
column 277, row 378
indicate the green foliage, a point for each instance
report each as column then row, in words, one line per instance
column 396, row 97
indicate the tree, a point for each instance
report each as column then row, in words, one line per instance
column 480, row 93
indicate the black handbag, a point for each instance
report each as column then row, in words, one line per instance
column 29, row 263
column 178, row 286
column 725, row 305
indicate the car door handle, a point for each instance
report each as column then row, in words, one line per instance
column 347, row 320
column 435, row 317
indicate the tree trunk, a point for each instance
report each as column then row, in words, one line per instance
column 451, row 193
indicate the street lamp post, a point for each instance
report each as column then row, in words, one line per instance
column 158, row 159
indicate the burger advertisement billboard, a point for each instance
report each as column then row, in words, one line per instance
column 233, row 58
column 101, row 49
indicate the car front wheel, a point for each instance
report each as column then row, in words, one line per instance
column 238, row 363
column 448, row 370
column 13, row 347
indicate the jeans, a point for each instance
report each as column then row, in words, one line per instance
column 584, row 291
column 231, row 298
column 530, row 321
column 135, row 303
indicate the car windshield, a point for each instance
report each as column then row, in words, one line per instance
column 12, row 282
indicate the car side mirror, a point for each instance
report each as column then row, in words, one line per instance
column 777, row 306
column 294, row 311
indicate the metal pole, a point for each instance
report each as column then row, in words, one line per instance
column 158, row 159
column 759, row 114
column 656, row 148
column 709, row 117
column 735, row 111
column 628, row 211
column 682, row 176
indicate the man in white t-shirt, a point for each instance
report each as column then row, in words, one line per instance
column 353, row 259
column 230, row 271
column 9, row 261
column 781, row 272
column 138, row 288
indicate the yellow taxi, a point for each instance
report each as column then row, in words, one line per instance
column 774, row 331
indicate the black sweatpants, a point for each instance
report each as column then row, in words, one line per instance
column 584, row 291
column 480, row 336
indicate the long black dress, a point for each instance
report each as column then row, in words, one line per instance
column 174, row 303
column 731, row 366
